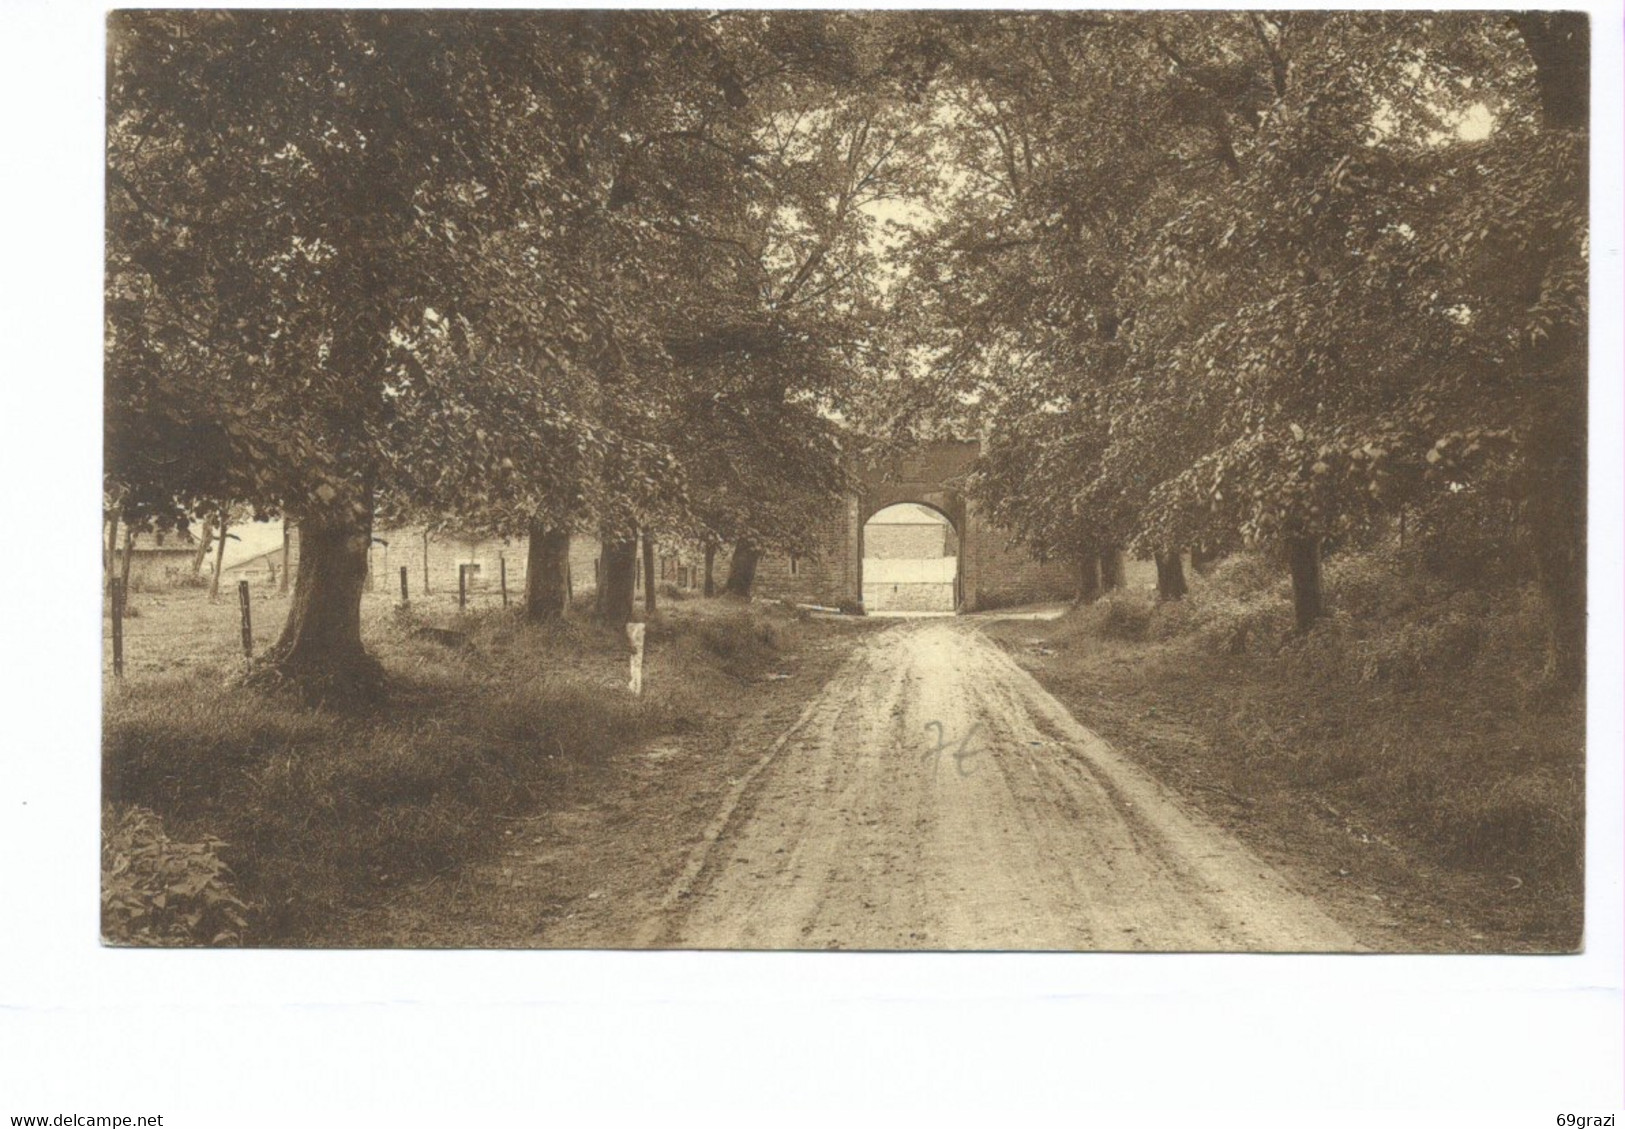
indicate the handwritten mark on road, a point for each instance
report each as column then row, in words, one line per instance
column 962, row 750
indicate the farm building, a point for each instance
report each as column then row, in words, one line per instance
column 157, row 560
column 254, row 552
column 909, row 532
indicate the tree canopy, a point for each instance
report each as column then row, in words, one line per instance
column 1195, row 278
column 1208, row 279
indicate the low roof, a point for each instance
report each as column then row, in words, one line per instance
column 168, row 542
column 251, row 539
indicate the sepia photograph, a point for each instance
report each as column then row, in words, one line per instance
column 976, row 481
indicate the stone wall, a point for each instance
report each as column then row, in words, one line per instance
column 160, row 568
column 1011, row 575
column 825, row 577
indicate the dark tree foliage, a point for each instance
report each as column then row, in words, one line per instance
column 447, row 266
column 1198, row 280
column 1213, row 279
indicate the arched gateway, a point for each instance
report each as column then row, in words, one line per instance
column 990, row 572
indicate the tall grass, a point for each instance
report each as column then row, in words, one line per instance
column 1420, row 705
column 316, row 809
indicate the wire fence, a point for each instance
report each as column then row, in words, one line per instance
column 156, row 630
column 151, row 629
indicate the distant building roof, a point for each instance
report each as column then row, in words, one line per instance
column 251, row 539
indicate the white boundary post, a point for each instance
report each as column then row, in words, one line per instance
column 634, row 636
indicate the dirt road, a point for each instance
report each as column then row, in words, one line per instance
column 934, row 796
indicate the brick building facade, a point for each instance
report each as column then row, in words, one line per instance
column 990, row 572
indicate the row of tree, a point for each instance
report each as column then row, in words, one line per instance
column 1213, row 279
column 517, row 273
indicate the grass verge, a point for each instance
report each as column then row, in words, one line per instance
column 1407, row 753
column 315, row 811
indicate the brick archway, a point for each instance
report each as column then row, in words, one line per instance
column 924, row 594
column 990, row 573
column 929, row 476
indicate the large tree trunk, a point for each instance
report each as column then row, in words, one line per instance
column 742, row 570
column 1560, row 556
column 1308, row 599
column 1557, row 527
column 1088, row 576
column 620, row 572
column 547, row 572
column 648, row 575
column 710, row 568
column 1559, row 44
column 1170, row 576
column 1111, row 568
column 320, row 647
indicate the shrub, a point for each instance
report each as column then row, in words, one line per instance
column 741, row 641
column 1248, row 574
column 158, row 891
column 1122, row 615
column 1472, row 537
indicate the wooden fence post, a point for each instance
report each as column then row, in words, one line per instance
column 405, row 596
column 248, row 627
column 116, row 586
column 502, row 569
column 462, row 586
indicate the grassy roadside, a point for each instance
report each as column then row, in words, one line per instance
column 237, row 818
column 1405, row 758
